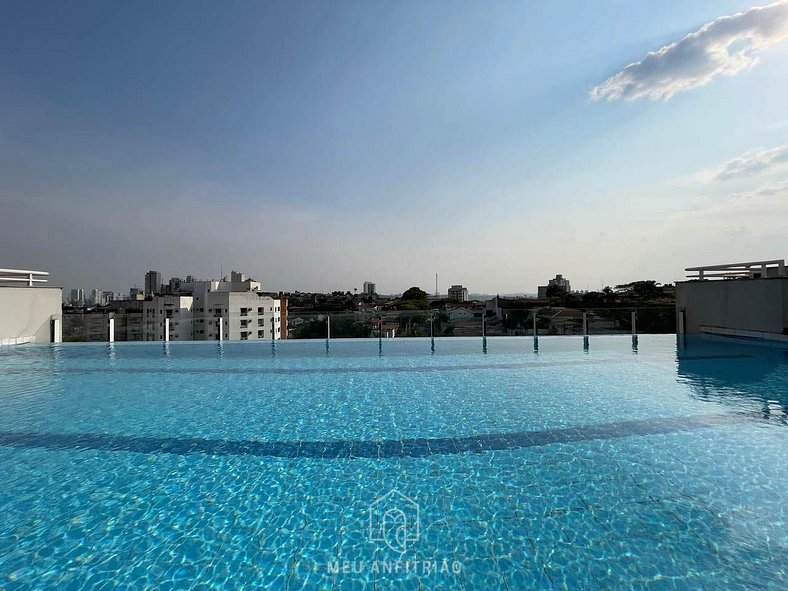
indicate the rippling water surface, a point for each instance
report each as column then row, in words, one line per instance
column 200, row 466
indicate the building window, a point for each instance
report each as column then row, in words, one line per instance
column 260, row 334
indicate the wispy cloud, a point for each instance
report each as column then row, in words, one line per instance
column 753, row 163
column 770, row 200
column 724, row 46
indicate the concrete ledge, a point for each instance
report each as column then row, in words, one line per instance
column 746, row 334
column 15, row 341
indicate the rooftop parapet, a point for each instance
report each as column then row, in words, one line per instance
column 22, row 276
column 751, row 270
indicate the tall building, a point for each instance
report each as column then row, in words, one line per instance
column 152, row 282
column 97, row 297
column 77, row 296
column 559, row 282
column 369, row 288
column 458, row 293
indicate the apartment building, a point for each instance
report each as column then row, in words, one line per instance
column 458, row 293
column 245, row 316
column 244, row 311
column 177, row 309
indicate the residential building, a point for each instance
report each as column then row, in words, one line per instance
column 560, row 282
column 458, row 293
column 369, row 288
column 92, row 324
column 244, row 311
column 152, row 282
column 175, row 308
column 457, row 314
column 501, row 307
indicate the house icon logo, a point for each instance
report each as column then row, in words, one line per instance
column 394, row 520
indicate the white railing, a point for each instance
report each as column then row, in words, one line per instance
column 773, row 268
column 20, row 275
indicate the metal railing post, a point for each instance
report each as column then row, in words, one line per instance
column 111, row 330
column 166, row 330
column 221, row 328
column 484, row 333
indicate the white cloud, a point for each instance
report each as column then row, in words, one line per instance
column 753, row 163
column 724, row 46
column 767, row 201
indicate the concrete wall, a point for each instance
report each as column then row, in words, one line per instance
column 746, row 304
column 27, row 312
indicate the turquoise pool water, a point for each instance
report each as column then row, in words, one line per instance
column 200, row 466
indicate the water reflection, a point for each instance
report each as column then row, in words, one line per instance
column 742, row 375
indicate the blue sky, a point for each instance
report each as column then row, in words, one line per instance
column 316, row 145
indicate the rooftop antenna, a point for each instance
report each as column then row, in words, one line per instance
column 436, row 284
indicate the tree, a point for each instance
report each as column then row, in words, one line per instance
column 414, row 293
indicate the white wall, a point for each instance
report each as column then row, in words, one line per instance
column 746, row 304
column 27, row 313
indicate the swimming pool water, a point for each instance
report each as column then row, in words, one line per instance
column 248, row 465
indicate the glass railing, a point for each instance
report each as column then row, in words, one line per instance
column 87, row 326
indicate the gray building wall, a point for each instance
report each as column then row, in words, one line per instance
column 28, row 312
column 745, row 304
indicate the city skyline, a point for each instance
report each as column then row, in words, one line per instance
column 316, row 146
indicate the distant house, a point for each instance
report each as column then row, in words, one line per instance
column 500, row 306
column 458, row 314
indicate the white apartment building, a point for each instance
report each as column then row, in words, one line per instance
column 245, row 313
column 175, row 308
column 245, row 316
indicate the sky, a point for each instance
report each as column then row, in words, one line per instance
column 318, row 145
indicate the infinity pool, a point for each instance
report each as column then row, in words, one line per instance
column 390, row 466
